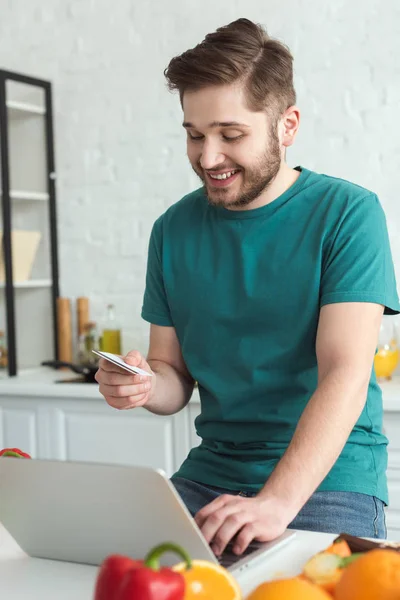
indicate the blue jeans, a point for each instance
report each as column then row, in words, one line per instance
column 329, row 512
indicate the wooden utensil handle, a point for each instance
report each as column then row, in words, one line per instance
column 64, row 329
column 82, row 309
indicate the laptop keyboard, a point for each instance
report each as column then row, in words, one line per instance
column 228, row 558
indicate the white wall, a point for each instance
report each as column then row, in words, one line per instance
column 120, row 149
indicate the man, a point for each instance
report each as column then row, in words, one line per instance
column 266, row 286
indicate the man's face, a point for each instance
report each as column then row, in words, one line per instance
column 235, row 152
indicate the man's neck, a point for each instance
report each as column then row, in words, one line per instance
column 284, row 179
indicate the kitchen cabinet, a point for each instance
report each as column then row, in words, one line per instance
column 91, row 431
column 24, row 424
column 94, row 432
column 19, row 426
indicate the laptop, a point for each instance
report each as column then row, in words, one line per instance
column 82, row 512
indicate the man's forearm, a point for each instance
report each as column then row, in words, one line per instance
column 171, row 391
column 320, row 436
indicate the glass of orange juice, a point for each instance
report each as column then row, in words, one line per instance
column 387, row 355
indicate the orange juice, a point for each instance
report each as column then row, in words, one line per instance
column 385, row 362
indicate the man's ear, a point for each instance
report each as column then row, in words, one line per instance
column 289, row 125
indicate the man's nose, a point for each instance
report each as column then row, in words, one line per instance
column 211, row 156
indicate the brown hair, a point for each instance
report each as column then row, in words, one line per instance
column 239, row 52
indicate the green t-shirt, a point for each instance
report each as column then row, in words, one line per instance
column 243, row 290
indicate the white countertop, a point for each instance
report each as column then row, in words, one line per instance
column 42, row 382
column 23, row 577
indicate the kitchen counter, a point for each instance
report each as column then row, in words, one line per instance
column 24, row 577
column 43, row 382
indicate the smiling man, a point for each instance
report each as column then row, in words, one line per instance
column 266, row 286
column 238, row 178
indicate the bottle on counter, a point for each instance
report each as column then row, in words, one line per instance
column 3, row 351
column 82, row 347
column 88, row 341
column 82, row 319
column 111, row 332
column 388, row 352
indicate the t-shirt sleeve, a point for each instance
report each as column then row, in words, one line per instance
column 155, row 307
column 359, row 266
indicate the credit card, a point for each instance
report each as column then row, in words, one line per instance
column 117, row 360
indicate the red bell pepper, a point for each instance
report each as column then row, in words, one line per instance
column 16, row 452
column 122, row 578
column 110, row 575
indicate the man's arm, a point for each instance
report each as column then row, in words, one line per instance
column 346, row 342
column 173, row 383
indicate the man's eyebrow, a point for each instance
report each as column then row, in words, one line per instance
column 188, row 125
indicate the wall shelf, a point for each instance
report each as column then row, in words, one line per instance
column 31, row 283
column 29, row 287
column 18, row 109
column 26, row 195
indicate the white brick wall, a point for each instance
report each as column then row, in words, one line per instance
column 120, row 148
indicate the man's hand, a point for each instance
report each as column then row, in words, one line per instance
column 121, row 389
column 245, row 519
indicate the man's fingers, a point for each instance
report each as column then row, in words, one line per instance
column 118, row 377
column 134, row 358
column 110, row 367
column 227, row 531
column 124, row 391
column 210, row 508
column 127, row 402
column 213, row 523
column 245, row 537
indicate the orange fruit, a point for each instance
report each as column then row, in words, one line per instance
column 373, row 576
column 208, row 581
column 324, row 570
column 340, row 548
column 294, row 588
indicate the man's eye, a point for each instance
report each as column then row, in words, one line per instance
column 226, row 138
column 235, row 138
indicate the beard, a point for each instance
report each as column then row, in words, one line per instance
column 255, row 179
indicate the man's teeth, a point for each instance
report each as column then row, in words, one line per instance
column 223, row 175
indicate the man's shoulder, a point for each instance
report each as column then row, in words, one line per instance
column 343, row 189
column 187, row 208
column 181, row 215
